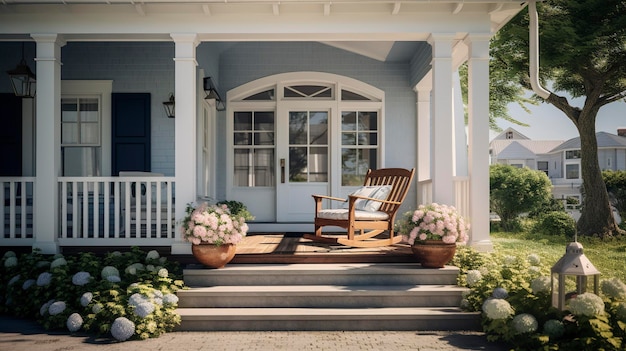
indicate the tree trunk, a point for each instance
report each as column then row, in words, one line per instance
column 596, row 217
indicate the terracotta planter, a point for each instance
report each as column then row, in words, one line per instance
column 212, row 255
column 433, row 253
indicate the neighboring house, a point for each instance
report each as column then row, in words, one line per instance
column 559, row 160
column 303, row 97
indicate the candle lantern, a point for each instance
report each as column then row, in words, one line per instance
column 572, row 273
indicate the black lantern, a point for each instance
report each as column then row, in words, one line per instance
column 169, row 106
column 212, row 93
column 23, row 79
column 574, row 268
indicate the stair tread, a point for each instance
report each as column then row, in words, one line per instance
column 321, row 268
column 317, row 313
column 307, row 289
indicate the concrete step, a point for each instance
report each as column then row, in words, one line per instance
column 322, row 296
column 320, row 274
column 317, row 319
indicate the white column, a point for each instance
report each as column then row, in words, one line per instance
column 185, row 127
column 478, row 109
column 423, row 88
column 48, row 141
column 443, row 158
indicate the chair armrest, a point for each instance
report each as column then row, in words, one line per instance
column 328, row 197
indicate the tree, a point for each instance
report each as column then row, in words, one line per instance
column 583, row 53
column 516, row 190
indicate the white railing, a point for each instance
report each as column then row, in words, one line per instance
column 461, row 194
column 110, row 211
column 17, row 210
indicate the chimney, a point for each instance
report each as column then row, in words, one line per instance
column 621, row 131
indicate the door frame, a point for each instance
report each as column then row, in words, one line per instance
column 266, row 197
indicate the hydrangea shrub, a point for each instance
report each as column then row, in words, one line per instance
column 514, row 297
column 126, row 296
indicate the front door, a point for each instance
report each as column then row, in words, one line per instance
column 304, row 162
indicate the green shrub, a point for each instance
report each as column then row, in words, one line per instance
column 513, row 295
column 237, row 208
column 88, row 293
column 556, row 223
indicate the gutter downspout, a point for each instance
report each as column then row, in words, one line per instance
column 533, row 52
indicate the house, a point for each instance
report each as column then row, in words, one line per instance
column 272, row 101
column 560, row 160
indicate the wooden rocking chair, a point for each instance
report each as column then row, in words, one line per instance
column 373, row 208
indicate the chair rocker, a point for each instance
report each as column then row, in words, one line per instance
column 372, row 208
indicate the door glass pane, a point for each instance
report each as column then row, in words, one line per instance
column 318, row 164
column 368, row 121
column 264, row 121
column 242, row 167
column 319, row 128
column 264, row 138
column 297, row 164
column 348, row 121
column 243, row 138
column 349, row 174
column 264, row 167
column 298, row 128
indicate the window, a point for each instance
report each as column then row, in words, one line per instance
column 509, row 135
column 80, row 136
column 542, row 166
column 572, row 154
column 359, row 145
column 254, row 148
column 572, row 171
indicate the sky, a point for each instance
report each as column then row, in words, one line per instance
column 546, row 122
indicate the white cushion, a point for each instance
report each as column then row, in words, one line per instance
column 341, row 213
column 374, row 191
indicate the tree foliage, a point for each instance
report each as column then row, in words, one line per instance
column 582, row 53
column 516, row 190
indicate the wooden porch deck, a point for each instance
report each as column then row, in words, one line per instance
column 279, row 248
column 293, row 248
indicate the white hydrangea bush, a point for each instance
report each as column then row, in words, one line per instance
column 514, row 297
column 114, row 295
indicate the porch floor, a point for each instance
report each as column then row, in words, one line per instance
column 263, row 248
column 293, row 248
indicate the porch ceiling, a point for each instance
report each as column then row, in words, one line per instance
column 385, row 30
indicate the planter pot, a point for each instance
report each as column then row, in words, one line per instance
column 212, row 255
column 433, row 253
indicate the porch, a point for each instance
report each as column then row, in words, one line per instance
column 115, row 212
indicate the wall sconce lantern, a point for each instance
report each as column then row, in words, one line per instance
column 211, row 93
column 573, row 268
column 23, row 79
column 169, row 106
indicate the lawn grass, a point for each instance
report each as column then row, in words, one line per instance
column 608, row 256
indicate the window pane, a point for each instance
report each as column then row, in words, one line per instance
column 348, row 138
column 69, row 133
column 243, row 138
column 368, row 138
column 298, row 164
column 572, row 171
column 318, row 164
column 348, row 121
column 264, row 167
column 264, row 121
column 367, row 160
column 368, row 121
column 81, row 161
column 242, row 167
column 89, row 110
column 347, row 95
column 89, row 133
column 69, row 110
column 264, row 138
column 243, row 121
column 349, row 174
column 319, row 128
column 267, row 95
column 298, row 128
